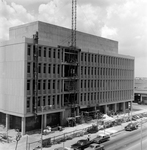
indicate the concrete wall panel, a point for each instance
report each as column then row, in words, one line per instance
column 12, row 77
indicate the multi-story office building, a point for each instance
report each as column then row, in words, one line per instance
column 69, row 81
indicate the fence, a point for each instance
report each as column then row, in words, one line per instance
column 48, row 142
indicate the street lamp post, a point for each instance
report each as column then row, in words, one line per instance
column 42, row 108
column 141, row 134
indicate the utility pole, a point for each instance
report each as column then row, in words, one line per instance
column 141, row 134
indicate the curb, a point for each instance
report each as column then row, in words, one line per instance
column 114, row 134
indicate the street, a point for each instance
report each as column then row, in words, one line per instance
column 127, row 139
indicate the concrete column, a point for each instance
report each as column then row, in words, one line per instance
column 105, row 109
column 115, row 107
column 31, row 104
column 45, row 120
column 140, row 97
column 62, row 118
column 7, row 122
column 23, row 125
column 77, row 111
column 124, row 108
column 55, row 101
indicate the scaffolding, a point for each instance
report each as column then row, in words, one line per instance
column 35, row 74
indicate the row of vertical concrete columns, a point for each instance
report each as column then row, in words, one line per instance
column 23, row 122
column 115, row 107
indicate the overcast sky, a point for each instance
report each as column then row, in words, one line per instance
column 122, row 20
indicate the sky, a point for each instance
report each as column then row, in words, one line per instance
column 124, row 21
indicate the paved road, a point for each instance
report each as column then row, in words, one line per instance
column 127, row 139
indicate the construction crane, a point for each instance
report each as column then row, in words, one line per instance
column 71, row 58
column 73, row 96
column 74, row 19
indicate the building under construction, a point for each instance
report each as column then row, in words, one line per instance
column 41, row 75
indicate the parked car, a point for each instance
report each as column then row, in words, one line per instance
column 101, row 138
column 134, row 118
column 81, row 144
column 131, row 126
column 95, row 146
column 47, row 130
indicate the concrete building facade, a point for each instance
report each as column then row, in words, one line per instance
column 100, row 77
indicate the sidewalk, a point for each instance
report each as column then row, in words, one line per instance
column 36, row 137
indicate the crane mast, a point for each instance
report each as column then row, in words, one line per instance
column 74, row 18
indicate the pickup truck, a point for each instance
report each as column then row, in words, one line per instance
column 101, row 138
column 81, row 144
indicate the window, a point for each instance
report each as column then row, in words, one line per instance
column 92, row 58
column 49, row 53
column 29, row 68
column 49, row 100
column 57, row 99
column 28, row 102
column 49, row 84
column 95, row 58
column 53, row 100
column 44, row 100
column 28, row 84
column 58, row 54
column 44, row 84
column 54, row 68
column 44, row 51
column 39, row 84
column 44, row 68
column 39, row 68
column 29, row 50
column 58, row 69
column 53, row 84
column 54, row 53
column 49, row 68
column 39, row 100
column 39, row 52
column 58, row 84
column 85, row 57
column 88, row 57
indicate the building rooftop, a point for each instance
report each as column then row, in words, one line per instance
column 57, row 35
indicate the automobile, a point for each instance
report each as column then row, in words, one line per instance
column 101, row 138
column 46, row 130
column 95, row 146
column 62, row 148
column 134, row 118
column 131, row 126
column 81, row 144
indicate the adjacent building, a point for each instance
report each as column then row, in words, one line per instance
column 69, row 81
column 140, row 92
